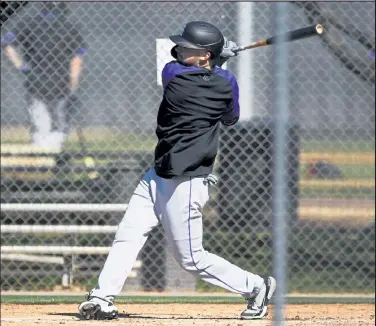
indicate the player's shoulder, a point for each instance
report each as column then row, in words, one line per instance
column 170, row 66
column 228, row 76
column 179, row 67
column 224, row 73
column 175, row 68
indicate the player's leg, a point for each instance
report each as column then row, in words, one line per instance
column 59, row 121
column 40, row 120
column 182, row 219
column 138, row 221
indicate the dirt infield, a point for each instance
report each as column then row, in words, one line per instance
column 189, row 314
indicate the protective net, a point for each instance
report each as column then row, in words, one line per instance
column 85, row 182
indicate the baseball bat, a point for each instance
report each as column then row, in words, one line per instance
column 296, row 34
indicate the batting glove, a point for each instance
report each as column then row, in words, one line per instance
column 211, row 179
column 228, row 51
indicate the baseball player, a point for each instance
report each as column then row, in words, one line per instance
column 52, row 62
column 198, row 97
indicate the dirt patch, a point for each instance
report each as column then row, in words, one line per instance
column 189, row 314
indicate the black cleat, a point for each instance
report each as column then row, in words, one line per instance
column 98, row 309
column 260, row 310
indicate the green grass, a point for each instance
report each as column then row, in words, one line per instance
column 136, row 142
column 109, row 139
column 118, row 144
column 308, row 146
column 52, row 299
column 97, row 139
column 358, row 171
column 337, row 193
column 350, row 171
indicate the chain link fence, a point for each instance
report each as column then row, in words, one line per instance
column 110, row 122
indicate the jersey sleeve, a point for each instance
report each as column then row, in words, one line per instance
column 170, row 70
column 14, row 35
column 77, row 43
column 231, row 115
column 174, row 68
column 167, row 74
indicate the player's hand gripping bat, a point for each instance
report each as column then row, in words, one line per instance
column 297, row 34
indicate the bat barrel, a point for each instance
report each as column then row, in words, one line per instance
column 319, row 29
column 299, row 34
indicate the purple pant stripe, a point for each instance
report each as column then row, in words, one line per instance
column 190, row 243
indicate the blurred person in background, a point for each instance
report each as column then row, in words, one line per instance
column 51, row 58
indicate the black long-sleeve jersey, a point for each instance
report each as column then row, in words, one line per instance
column 195, row 101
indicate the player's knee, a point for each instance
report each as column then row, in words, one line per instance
column 193, row 261
column 127, row 233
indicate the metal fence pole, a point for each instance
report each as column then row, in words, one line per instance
column 244, row 64
column 280, row 141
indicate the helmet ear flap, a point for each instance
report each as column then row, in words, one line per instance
column 173, row 52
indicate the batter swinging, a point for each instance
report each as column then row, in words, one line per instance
column 198, row 96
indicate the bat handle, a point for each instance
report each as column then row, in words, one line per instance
column 241, row 48
column 251, row 46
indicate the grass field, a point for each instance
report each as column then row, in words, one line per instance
column 109, row 139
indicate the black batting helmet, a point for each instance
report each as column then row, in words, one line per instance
column 199, row 35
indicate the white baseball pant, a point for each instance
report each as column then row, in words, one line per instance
column 49, row 125
column 177, row 204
